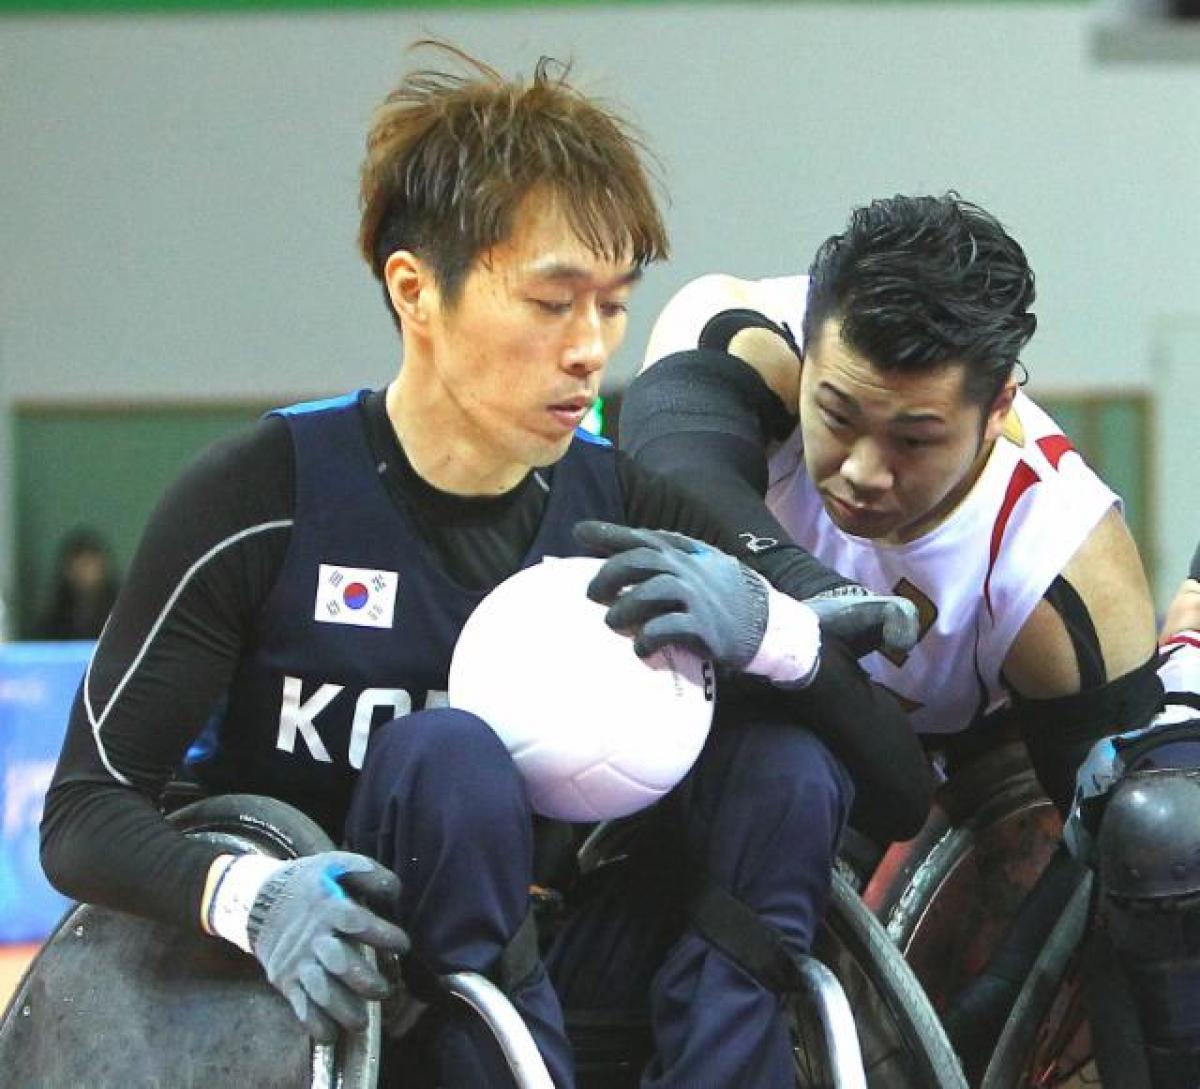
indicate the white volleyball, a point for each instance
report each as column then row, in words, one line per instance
column 596, row 731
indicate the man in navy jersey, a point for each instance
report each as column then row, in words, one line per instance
column 318, row 601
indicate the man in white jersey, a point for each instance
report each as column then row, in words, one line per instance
column 920, row 535
column 899, row 449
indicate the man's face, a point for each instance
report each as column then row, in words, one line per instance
column 891, row 453
column 520, row 352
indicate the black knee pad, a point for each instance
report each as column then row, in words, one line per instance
column 1149, row 861
column 1149, row 843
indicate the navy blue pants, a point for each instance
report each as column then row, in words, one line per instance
column 442, row 804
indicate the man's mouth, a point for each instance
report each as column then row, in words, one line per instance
column 570, row 412
column 849, row 510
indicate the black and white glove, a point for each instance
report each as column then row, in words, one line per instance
column 299, row 921
column 667, row 589
column 866, row 621
column 863, row 620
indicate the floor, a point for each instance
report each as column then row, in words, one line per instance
column 13, row 959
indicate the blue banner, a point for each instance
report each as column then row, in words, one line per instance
column 37, row 684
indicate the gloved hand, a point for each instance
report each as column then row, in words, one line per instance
column 670, row 590
column 865, row 621
column 302, row 926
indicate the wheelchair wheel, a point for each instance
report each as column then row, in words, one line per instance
column 113, row 1000
column 947, row 901
column 1046, row 1043
column 901, row 1040
column 947, row 906
column 252, row 822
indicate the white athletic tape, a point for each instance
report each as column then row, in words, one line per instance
column 236, row 890
column 790, row 652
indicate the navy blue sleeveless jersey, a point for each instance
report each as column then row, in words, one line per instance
column 362, row 620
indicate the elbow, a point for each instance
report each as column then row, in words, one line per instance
column 56, row 834
column 54, row 862
column 678, row 325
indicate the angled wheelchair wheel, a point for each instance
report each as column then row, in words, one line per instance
column 947, row 899
column 901, row 1041
column 114, row 1001
column 1046, row 1043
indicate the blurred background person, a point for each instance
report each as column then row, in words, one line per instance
column 85, row 586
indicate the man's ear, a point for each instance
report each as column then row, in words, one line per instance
column 411, row 287
column 999, row 409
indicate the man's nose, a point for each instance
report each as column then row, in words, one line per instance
column 866, row 468
column 587, row 350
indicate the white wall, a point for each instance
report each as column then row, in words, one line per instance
column 180, row 206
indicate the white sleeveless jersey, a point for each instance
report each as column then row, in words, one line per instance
column 977, row 576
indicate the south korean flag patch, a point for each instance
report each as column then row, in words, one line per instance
column 355, row 595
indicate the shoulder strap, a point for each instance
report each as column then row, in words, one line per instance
column 737, row 931
column 1065, row 600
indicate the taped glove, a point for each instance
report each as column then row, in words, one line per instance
column 670, row 590
column 865, row 621
column 298, row 920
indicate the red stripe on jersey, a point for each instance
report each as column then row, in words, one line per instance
column 1183, row 639
column 1054, row 446
column 1024, row 477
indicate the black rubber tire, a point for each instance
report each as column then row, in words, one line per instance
column 998, row 787
column 901, row 1038
column 266, row 825
column 94, row 997
column 1013, row 791
column 811, row 1061
column 1009, row 1065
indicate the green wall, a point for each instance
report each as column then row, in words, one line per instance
column 1114, row 434
column 102, row 467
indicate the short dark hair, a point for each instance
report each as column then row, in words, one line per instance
column 450, row 157
column 920, row 282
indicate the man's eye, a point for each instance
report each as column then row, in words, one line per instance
column 917, row 444
column 834, row 420
column 614, row 309
column 552, row 306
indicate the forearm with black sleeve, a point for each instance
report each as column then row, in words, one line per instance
column 704, row 419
